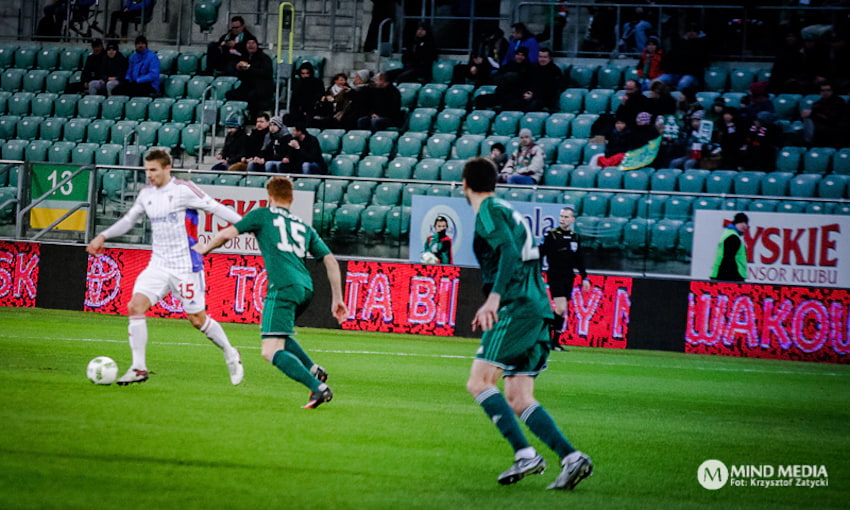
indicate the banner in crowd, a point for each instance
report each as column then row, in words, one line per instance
column 19, row 274
column 782, row 248
column 767, row 321
column 242, row 200
column 425, row 209
column 642, row 156
column 600, row 316
column 401, row 298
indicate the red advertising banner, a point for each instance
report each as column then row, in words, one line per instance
column 401, row 298
column 235, row 285
column 765, row 321
column 600, row 316
column 18, row 274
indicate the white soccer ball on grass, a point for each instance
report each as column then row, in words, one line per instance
column 102, row 370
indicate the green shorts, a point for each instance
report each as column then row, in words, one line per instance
column 280, row 309
column 518, row 343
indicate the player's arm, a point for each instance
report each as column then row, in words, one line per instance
column 197, row 199
column 120, row 227
column 221, row 238
column 338, row 308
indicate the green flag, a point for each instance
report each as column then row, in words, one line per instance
column 642, row 156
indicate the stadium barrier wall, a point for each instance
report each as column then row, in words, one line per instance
column 699, row 317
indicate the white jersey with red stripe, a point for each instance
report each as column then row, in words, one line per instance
column 173, row 213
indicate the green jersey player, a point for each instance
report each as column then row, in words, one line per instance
column 285, row 240
column 515, row 342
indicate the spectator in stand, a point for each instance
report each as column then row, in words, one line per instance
column 689, row 150
column 384, row 105
column 513, row 80
column 617, row 143
column 498, row 156
column 419, row 57
column 274, row 149
column 761, row 140
column 633, row 103
column 113, row 68
column 758, row 101
column 257, row 138
column 525, row 165
column 521, row 38
column 91, row 69
column 133, row 11
column 635, row 32
column 728, row 136
column 484, row 62
column 716, row 111
column 235, row 145
column 224, row 54
column 661, row 101
column 547, row 79
column 304, row 155
column 331, row 103
column 307, row 90
column 685, row 63
column 354, row 102
column 142, row 78
column 650, row 62
column 256, row 81
column 826, row 123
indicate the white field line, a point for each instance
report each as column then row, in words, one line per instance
column 693, row 366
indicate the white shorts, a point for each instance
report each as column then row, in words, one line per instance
column 154, row 283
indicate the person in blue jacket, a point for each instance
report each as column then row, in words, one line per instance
column 521, row 38
column 142, row 77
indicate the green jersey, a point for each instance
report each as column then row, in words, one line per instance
column 285, row 240
column 508, row 255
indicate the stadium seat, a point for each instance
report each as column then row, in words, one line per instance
column 121, row 131
column 409, row 190
column 583, row 76
column 4, row 101
column 344, row 165
column 15, row 149
column 66, row 106
column 535, row 121
column 776, row 183
column 506, row 123
column 408, row 92
column 440, row 190
column 596, row 204
column 7, row 54
column 452, row 170
column 468, row 146
column 716, row 79
column 307, row 184
column 360, row 192
column 146, row 132
column 401, row 167
column 20, row 103
column 42, row 104
column 748, row 183
column 570, row 151
column 763, row 205
column 228, row 180
column 706, row 98
column 664, row 237
column 175, row 86
column 478, row 122
column 609, row 232
column 817, row 160
column 183, row 110
column 572, row 101
column 26, row 55
column 623, row 205
column 547, row 196
column 678, row 207
column 442, row 70
column 816, row 208
column 354, row 142
column 188, row 62
column 398, row 223
column 438, row 146
column 332, row 191
column 720, row 181
column 483, row 90
column 651, row 207
column 598, row 101
column 71, row 58
column 410, row 145
column 388, row 193
column 519, row 194
column 347, row 220
column 60, row 152
column 788, row 159
column 99, row 130
column 558, row 125
column 51, row 129
column 221, row 85
column 736, row 204
column 573, row 199
column 636, row 180
column 733, row 99
column 83, row 153
column 609, row 77
column 35, row 80
column 11, row 79
column 582, row 124
column 373, row 220
column 37, row 150
column 372, row 166
column 57, row 81
column 8, row 126
column 457, row 96
column 317, row 61
column 590, row 150
column 693, row 180
column 28, row 127
column 792, row 206
column 427, row 169
column 550, row 148
column 557, row 175
column 89, row 107
column 113, row 107
column 449, row 120
column 841, row 162
column 610, row 178
column 108, row 154
column 382, row 143
column 804, row 185
column 75, row 130
column 192, row 138
column 665, row 179
column 167, row 58
column 323, row 214
column 741, row 79
column 834, row 186
column 255, row 181
column 431, row 95
column 421, row 119
column 137, row 108
column 787, row 106
column 587, row 227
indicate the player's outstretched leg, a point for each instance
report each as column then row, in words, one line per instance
column 292, row 346
column 576, row 465
column 138, row 335
column 213, row 330
column 291, row 366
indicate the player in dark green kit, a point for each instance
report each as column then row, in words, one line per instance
column 515, row 342
column 285, row 240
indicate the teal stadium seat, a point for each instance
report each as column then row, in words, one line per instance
column 546, row 196
column 75, row 130
column 741, row 79
column 382, row 143
column 175, row 86
column 409, row 145
column 108, row 154
column 11, row 79
column 550, row 147
column 535, row 121
column 323, row 214
column 228, row 180
column 449, row 120
column 706, row 98
column 83, row 153
column 35, row 80
column 167, row 59
column 583, row 76
column 834, row 186
column 431, row 95
column 572, row 101
column 89, row 106
column 42, row 104
column 440, row 190
column 570, row 151
column 37, row 150
column 332, row 191
column 354, row 142
column 573, row 199
column 610, row 77
column 452, row 170
column 223, row 84
column 360, row 192
column 373, row 220
column 592, row 149
column 7, row 54
column 598, row 101
column 72, row 58
column 720, row 181
column 468, row 146
column 388, row 193
column 146, row 132
column 159, row 109
column 4, row 100
column 428, row 169
column 651, row 207
column 623, row 205
column 787, row 106
column 99, row 130
column 506, row 123
column 409, row 190
column 401, row 168
column 693, row 180
column 817, row 160
column 792, row 206
column 678, row 207
column 763, row 205
column 398, row 223
column 788, row 159
column 192, row 138
column 442, row 71
column 408, row 92
column 183, row 110
column 20, row 103
column 584, row 177
column 488, row 142
column 347, row 220
column 307, row 184
column 610, row 178
column 15, row 150
column 66, row 106
column 137, row 108
column 609, row 232
column 113, row 107
column 60, row 152
column 8, row 126
column 582, row 124
column 235, row 109
column 483, row 90
column 664, row 237
column 748, row 183
column 775, row 184
column 438, row 146
column 51, row 129
column 457, row 96
column 557, row 175
column 344, row 165
column 558, row 125
column 188, row 62
column 26, row 55
column 804, row 185
column 372, row 166
column 122, row 130
column 841, row 162
column 587, row 227
column 421, row 120
column 28, row 127
column 478, row 122
column 57, row 81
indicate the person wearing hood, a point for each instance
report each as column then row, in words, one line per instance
column 419, row 57
column 234, row 148
column 113, row 68
column 307, row 90
column 521, row 38
column 256, row 79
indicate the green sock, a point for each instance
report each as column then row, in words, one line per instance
column 544, row 427
column 502, row 415
column 294, row 348
column 294, row 369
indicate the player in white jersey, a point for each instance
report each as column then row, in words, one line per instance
column 172, row 207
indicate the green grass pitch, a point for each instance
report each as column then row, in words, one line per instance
column 401, row 432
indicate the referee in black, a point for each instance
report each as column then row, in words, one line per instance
column 562, row 249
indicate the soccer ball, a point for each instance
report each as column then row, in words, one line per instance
column 429, row 258
column 102, row 370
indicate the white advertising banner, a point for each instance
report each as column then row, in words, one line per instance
column 242, row 200
column 782, row 248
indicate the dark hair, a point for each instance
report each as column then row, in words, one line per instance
column 300, row 126
column 160, row 155
column 522, row 50
column 480, row 175
column 439, row 219
column 96, row 42
column 264, row 116
column 498, row 146
column 521, row 28
column 308, row 66
column 142, row 40
column 240, row 19
column 544, row 50
column 337, row 75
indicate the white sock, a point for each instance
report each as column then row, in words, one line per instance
column 525, row 453
column 215, row 333
column 138, row 331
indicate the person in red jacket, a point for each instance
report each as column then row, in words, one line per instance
column 649, row 64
